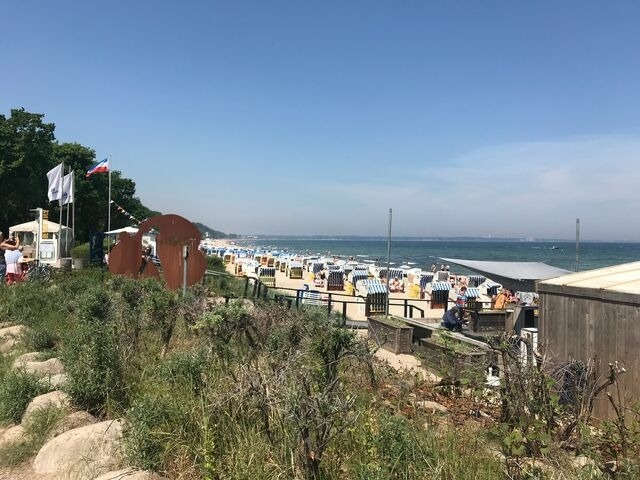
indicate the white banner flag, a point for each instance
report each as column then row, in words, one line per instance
column 54, row 175
column 67, row 189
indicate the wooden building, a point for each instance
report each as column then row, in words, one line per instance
column 595, row 313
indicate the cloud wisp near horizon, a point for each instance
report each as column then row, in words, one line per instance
column 527, row 189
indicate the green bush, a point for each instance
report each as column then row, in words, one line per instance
column 39, row 338
column 81, row 251
column 150, row 420
column 92, row 356
column 17, row 389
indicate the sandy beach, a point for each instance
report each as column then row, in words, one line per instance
column 354, row 304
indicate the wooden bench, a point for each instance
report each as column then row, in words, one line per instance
column 488, row 320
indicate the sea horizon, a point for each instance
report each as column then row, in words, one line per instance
column 421, row 238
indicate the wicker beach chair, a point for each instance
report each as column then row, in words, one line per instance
column 267, row 276
column 294, row 270
column 335, row 280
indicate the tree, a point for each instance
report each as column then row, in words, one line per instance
column 28, row 150
column 26, row 144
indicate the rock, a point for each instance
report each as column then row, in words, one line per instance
column 130, row 474
column 53, row 366
column 14, row 331
column 581, row 461
column 432, row 406
column 71, row 421
column 84, row 452
column 54, row 381
column 7, row 344
column 26, row 357
column 56, row 399
column 12, row 435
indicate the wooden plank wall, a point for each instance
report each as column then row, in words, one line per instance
column 581, row 328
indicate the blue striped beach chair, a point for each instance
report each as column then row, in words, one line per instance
column 440, row 294
column 472, row 299
column 375, row 295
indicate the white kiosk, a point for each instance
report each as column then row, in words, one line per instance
column 41, row 241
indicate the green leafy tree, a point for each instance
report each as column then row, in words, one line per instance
column 26, row 144
column 28, row 150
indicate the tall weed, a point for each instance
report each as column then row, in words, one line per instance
column 17, row 389
column 92, row 356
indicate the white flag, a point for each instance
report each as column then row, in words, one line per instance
column 54, row 175
column 67, row 189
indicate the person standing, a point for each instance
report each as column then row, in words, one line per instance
column 6, row 245
column 461, row 300
column 14, row 265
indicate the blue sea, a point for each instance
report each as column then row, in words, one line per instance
column 423, row 253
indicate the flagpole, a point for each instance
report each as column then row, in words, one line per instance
column 66, row 231
column 73, row 211
column 109, row 216
column 60, row 222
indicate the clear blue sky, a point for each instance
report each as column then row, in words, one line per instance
column 298, row 117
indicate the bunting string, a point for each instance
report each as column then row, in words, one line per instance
column 124, row 212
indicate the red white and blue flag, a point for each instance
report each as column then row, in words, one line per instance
column 101, row 167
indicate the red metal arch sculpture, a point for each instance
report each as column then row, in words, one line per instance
column 174, row 233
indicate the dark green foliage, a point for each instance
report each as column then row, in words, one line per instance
column 215, row 263
column 17, row 389
column 39, row 338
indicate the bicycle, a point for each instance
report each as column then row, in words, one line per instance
column 39, row 272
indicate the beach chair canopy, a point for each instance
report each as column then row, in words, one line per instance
column 428, row 278
column 371, row 287
column 440, row 286
column 472, row 292
column 357, row 276
column 476, row 280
